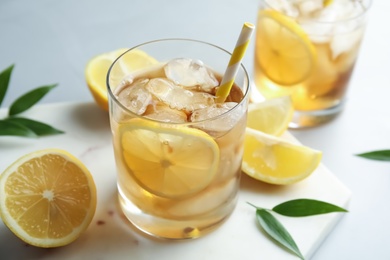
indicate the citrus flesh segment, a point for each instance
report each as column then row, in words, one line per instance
column 48, row 198
column 97, row 69
column 169, row 161
column 284, row 51
column 274, row 160
column 271, row 116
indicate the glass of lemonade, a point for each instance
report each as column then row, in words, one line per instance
column 307, row 49
column 178, row 152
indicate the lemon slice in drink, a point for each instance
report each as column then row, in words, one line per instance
column 271, row 116
column 284, row 51
column 274, row 160
column 168, row 161
column 48, row 198
column 97, row 68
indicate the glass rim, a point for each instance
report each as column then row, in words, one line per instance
column 115, row 99
column 366, row 4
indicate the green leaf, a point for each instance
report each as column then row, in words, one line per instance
column 306, row 207
column 27, row 100
column 37, row 127
column 380, row 155
column 276, row 230
column 15, row 129
column 5, row 76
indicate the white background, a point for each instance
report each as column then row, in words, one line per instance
column 51, row 42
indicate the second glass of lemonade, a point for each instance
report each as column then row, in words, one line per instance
column 307, row 49
column 178, row 152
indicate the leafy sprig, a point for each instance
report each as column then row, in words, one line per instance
column 380, row 155
column 293, row 208
column 13, row 125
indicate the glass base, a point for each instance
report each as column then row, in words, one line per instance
column 175, row 229
column 306, row 119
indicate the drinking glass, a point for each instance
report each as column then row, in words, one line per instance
column 307, row 49
column 176, row 180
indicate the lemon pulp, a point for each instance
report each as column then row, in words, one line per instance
column 168, row 161
column 271, row 116
column 274, row 160
column 284, row 51
column 48, row 198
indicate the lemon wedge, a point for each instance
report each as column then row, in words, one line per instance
column 274, row 160
column 284, row 51
column 97, row 68
column 168, row 161
column 48, row 198
column 271, row 116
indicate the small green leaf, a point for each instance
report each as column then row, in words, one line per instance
column 27, row 100
column 380, row 155
column 5, row 76
column 276, row 230
column 37, row 127
column 15, row 129
column 306, row 207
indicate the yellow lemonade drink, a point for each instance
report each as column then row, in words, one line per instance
column 178, row 152
column 308, row 49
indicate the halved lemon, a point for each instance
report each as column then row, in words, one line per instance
column 97, row 68
column 271, row 116
column 168, row 161
column 274, row 160
column 48, row 198
column 284, row 51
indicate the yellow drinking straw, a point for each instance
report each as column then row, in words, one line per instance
column 234, row 63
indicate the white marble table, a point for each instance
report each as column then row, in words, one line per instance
column 109, row 236
column 51, row 42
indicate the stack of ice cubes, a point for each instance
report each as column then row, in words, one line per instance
column 185, row 94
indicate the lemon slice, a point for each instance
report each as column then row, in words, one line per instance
column 271, row 116
column 284, row 51
column 48, row 198
column 274, row 160
column 97, row 68
column 169, row 162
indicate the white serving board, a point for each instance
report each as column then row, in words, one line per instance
column 110, row 236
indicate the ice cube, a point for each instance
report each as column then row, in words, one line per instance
column 317, row 32
column 334, row 20
column 344, row 43
column 307, row 8
column 212, row 111
column 207, row 200
column 287, row 7
column 222, row 124
column 230, row 160
column 136, row 98
column 347, row 34
column 178, row 98
column 344, row 62
column 190, row 74
column 164, row 113
column 324, row 76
